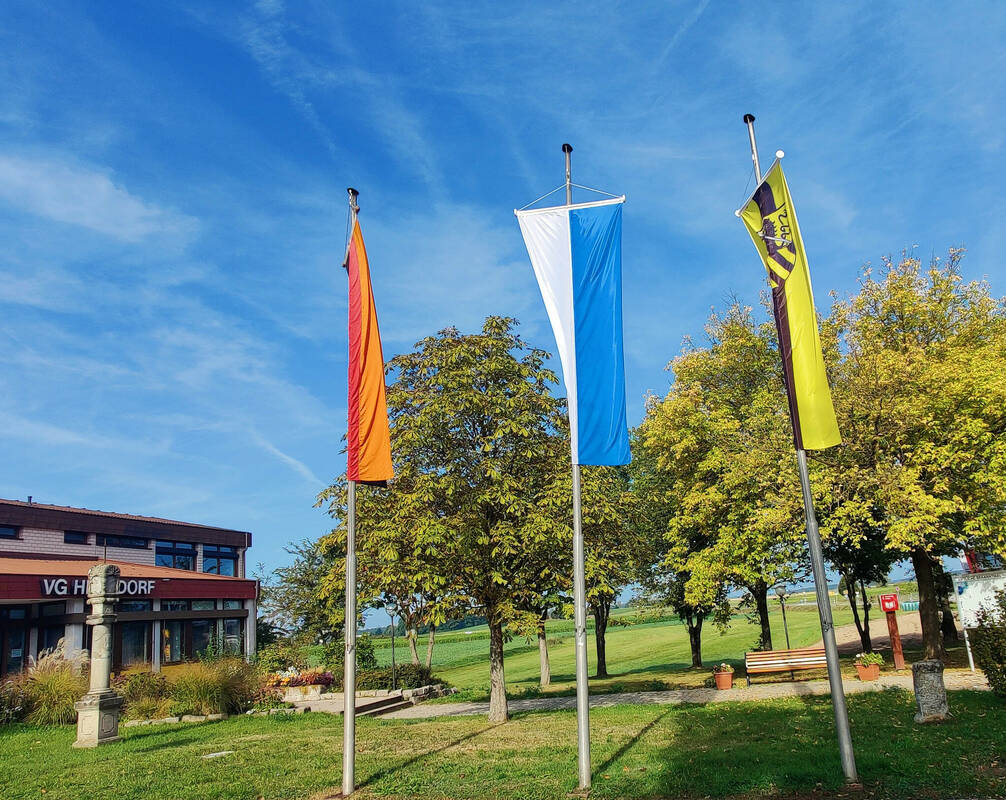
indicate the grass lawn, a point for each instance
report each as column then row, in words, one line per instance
column 640, row 657
column 776, row 748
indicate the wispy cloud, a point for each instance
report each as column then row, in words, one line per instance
column 297, row 466
column 83, row 196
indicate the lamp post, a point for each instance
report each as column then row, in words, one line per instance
column 781, row 591
column 391, row 613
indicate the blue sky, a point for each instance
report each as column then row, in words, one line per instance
column 173, row 205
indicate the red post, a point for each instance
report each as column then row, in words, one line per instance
column 889, row 604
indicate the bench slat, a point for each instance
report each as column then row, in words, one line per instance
column 785, row 660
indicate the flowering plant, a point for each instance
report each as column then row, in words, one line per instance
column 868, row 659
column 296, row 677
column 724, row 667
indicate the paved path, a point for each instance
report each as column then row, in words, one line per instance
column 740, row 693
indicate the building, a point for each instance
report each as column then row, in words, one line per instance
column 183, row 586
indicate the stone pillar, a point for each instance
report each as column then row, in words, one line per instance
column 930, row 693
column 98, row 710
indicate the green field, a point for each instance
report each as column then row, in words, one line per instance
column 640, row 656
column 774, row 748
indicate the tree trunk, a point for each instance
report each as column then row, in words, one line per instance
column 602, row 610
column 413, row 635
column 498, row 711
column 429, row 647
column 760, row 594
column 929, row 613
column 943, row 588
column 695, row 638
column 545, row 668
column 864, row 634
column 850, row 592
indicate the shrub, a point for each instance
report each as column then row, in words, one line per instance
column 281, row 655
column 333, row 653
column 13, row 701
column 869, row 659
column 51, row 685
column 408, row 676
column 989, row 643
column 221, row 686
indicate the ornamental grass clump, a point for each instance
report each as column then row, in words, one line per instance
column 51, row 685
column 146, row 694
column 221, row 686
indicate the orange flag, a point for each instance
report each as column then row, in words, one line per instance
column 368, row 437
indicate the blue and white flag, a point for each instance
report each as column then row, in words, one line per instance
column 576, row 252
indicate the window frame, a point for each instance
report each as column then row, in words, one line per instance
column 10, row 532
column 175, row 551
column 215, row 554
column 83, row 537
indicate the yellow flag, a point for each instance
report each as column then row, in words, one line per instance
column 771, row 221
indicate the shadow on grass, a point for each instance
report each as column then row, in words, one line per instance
column 389, row 771
column 625, row 748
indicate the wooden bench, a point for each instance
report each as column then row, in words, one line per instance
column 784, row 660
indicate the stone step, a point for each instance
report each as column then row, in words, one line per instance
column 385, row 706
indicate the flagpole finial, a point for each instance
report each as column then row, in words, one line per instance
column 353, row 194
column 780, row 154
column 567, row 148
column 749, row 118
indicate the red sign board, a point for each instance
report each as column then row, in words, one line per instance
column 889, row 602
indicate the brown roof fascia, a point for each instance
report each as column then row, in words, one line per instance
column 60, row 518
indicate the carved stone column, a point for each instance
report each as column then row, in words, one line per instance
column 930, row 692
column 98, row 710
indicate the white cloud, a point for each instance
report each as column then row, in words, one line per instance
column 86, row 197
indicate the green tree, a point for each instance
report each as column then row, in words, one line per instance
column 292, row 598
column 395, row 567
column 656, row 495
column 475, row 433
column 722, row 438
column 921, row 396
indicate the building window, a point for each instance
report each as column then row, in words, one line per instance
column 173, row 641
column 233, row 635
column 7, row 532
column 74, row 537
column 135, row 643
column 232, row 604
column 52, row 609
column 204, row 605
column 202, row 634
column 220, row 560
column 177, row 555
column 135, row 605
column 49, row 637
column 174, row 605
column 134, row 542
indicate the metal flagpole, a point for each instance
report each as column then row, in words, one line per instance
column 579, row 593
column 820, row 577
column 349, row 629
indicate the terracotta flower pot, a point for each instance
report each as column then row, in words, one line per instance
column 724, row 680
column 870, row 673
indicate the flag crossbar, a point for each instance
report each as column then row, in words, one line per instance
column 595, row 204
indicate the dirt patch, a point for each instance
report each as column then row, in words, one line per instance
column 909, row 626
